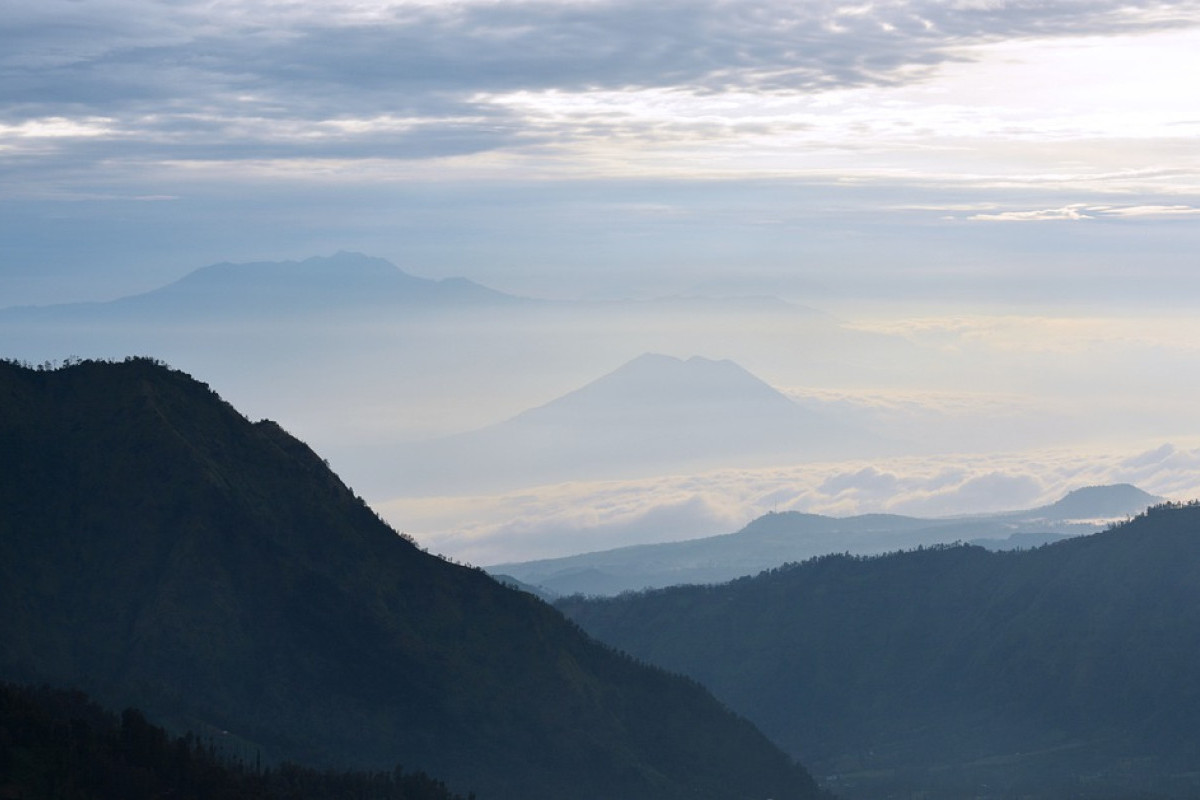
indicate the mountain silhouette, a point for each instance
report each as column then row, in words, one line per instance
column 325, row 283
column 1098, row 502
column 1063, row 671
column 652, row 414
column 778, row 538
column 159, row 550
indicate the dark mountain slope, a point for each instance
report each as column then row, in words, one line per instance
column 159, row 550
column 949, row 668
column 59, row 744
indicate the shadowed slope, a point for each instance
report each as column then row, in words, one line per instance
column 949, row 668
column 157, row 549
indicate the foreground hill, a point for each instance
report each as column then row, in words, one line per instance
column 59, row 744
column 159, row 550
column 779, row 538
column 1065, row 671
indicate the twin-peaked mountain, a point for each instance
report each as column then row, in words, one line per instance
column 159, row 550
column 344, row 280
column 653, row 414
column 315, row 286
column 1068, row 670
column 790, row 536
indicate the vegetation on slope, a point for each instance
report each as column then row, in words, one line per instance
column 58, row 744
column 159, row 550
column 1058, row 671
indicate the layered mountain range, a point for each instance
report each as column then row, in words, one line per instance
column 779, row 538
column 1067, row 670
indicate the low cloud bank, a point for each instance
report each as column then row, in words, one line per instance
column 571, row 518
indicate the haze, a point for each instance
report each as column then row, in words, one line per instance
column 984, row 215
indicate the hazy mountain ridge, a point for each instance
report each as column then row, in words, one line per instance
column 340, row 282
column 1063, row 671
column 653, row 413
column 158, row 549
column 778, row 538
column 392, row 374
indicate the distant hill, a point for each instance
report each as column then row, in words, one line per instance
column 778, row 538
column 159, row 550
column 1097, row 502
column 653, row 413
column 326, row 284
column 949, row 672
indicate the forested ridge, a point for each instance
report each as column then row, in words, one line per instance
column 1067, row 670
column 158, row 550
column 58, row 744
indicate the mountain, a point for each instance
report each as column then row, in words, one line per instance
column 778, row 538
column 1064, row 671
column 652, row 414
column 337, row 283
column 1097, row 502
column 159, row 550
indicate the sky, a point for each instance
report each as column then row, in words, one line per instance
column 1010, row 188
column 967, row 150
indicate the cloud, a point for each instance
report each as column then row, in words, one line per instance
column 564, row 519
column 174, row 76
column 289, row 128
column 991, row 491
column 1081, row 211
column 1147, row 211
column 1072, row 212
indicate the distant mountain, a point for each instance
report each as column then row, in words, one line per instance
column 1097, row 502
column 159, row 550
column 778, row 538
column 652, row 414
column 949, row 672
column 344, row 281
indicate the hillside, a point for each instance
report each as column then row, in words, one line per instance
column 1064, row 671
column 59, row 744
column 779, row 538
column 159, row 550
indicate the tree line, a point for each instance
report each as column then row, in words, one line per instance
column 60, row 745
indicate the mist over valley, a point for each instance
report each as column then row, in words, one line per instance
column 447, row 403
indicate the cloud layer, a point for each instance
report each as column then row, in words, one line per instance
column 573, row 518
column 137, row 80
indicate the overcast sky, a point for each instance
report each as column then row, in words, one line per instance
column 964, row 150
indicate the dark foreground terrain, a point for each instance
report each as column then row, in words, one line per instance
column 1065, row 671
column 159, row 550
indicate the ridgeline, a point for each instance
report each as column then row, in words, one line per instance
column 159, row 550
